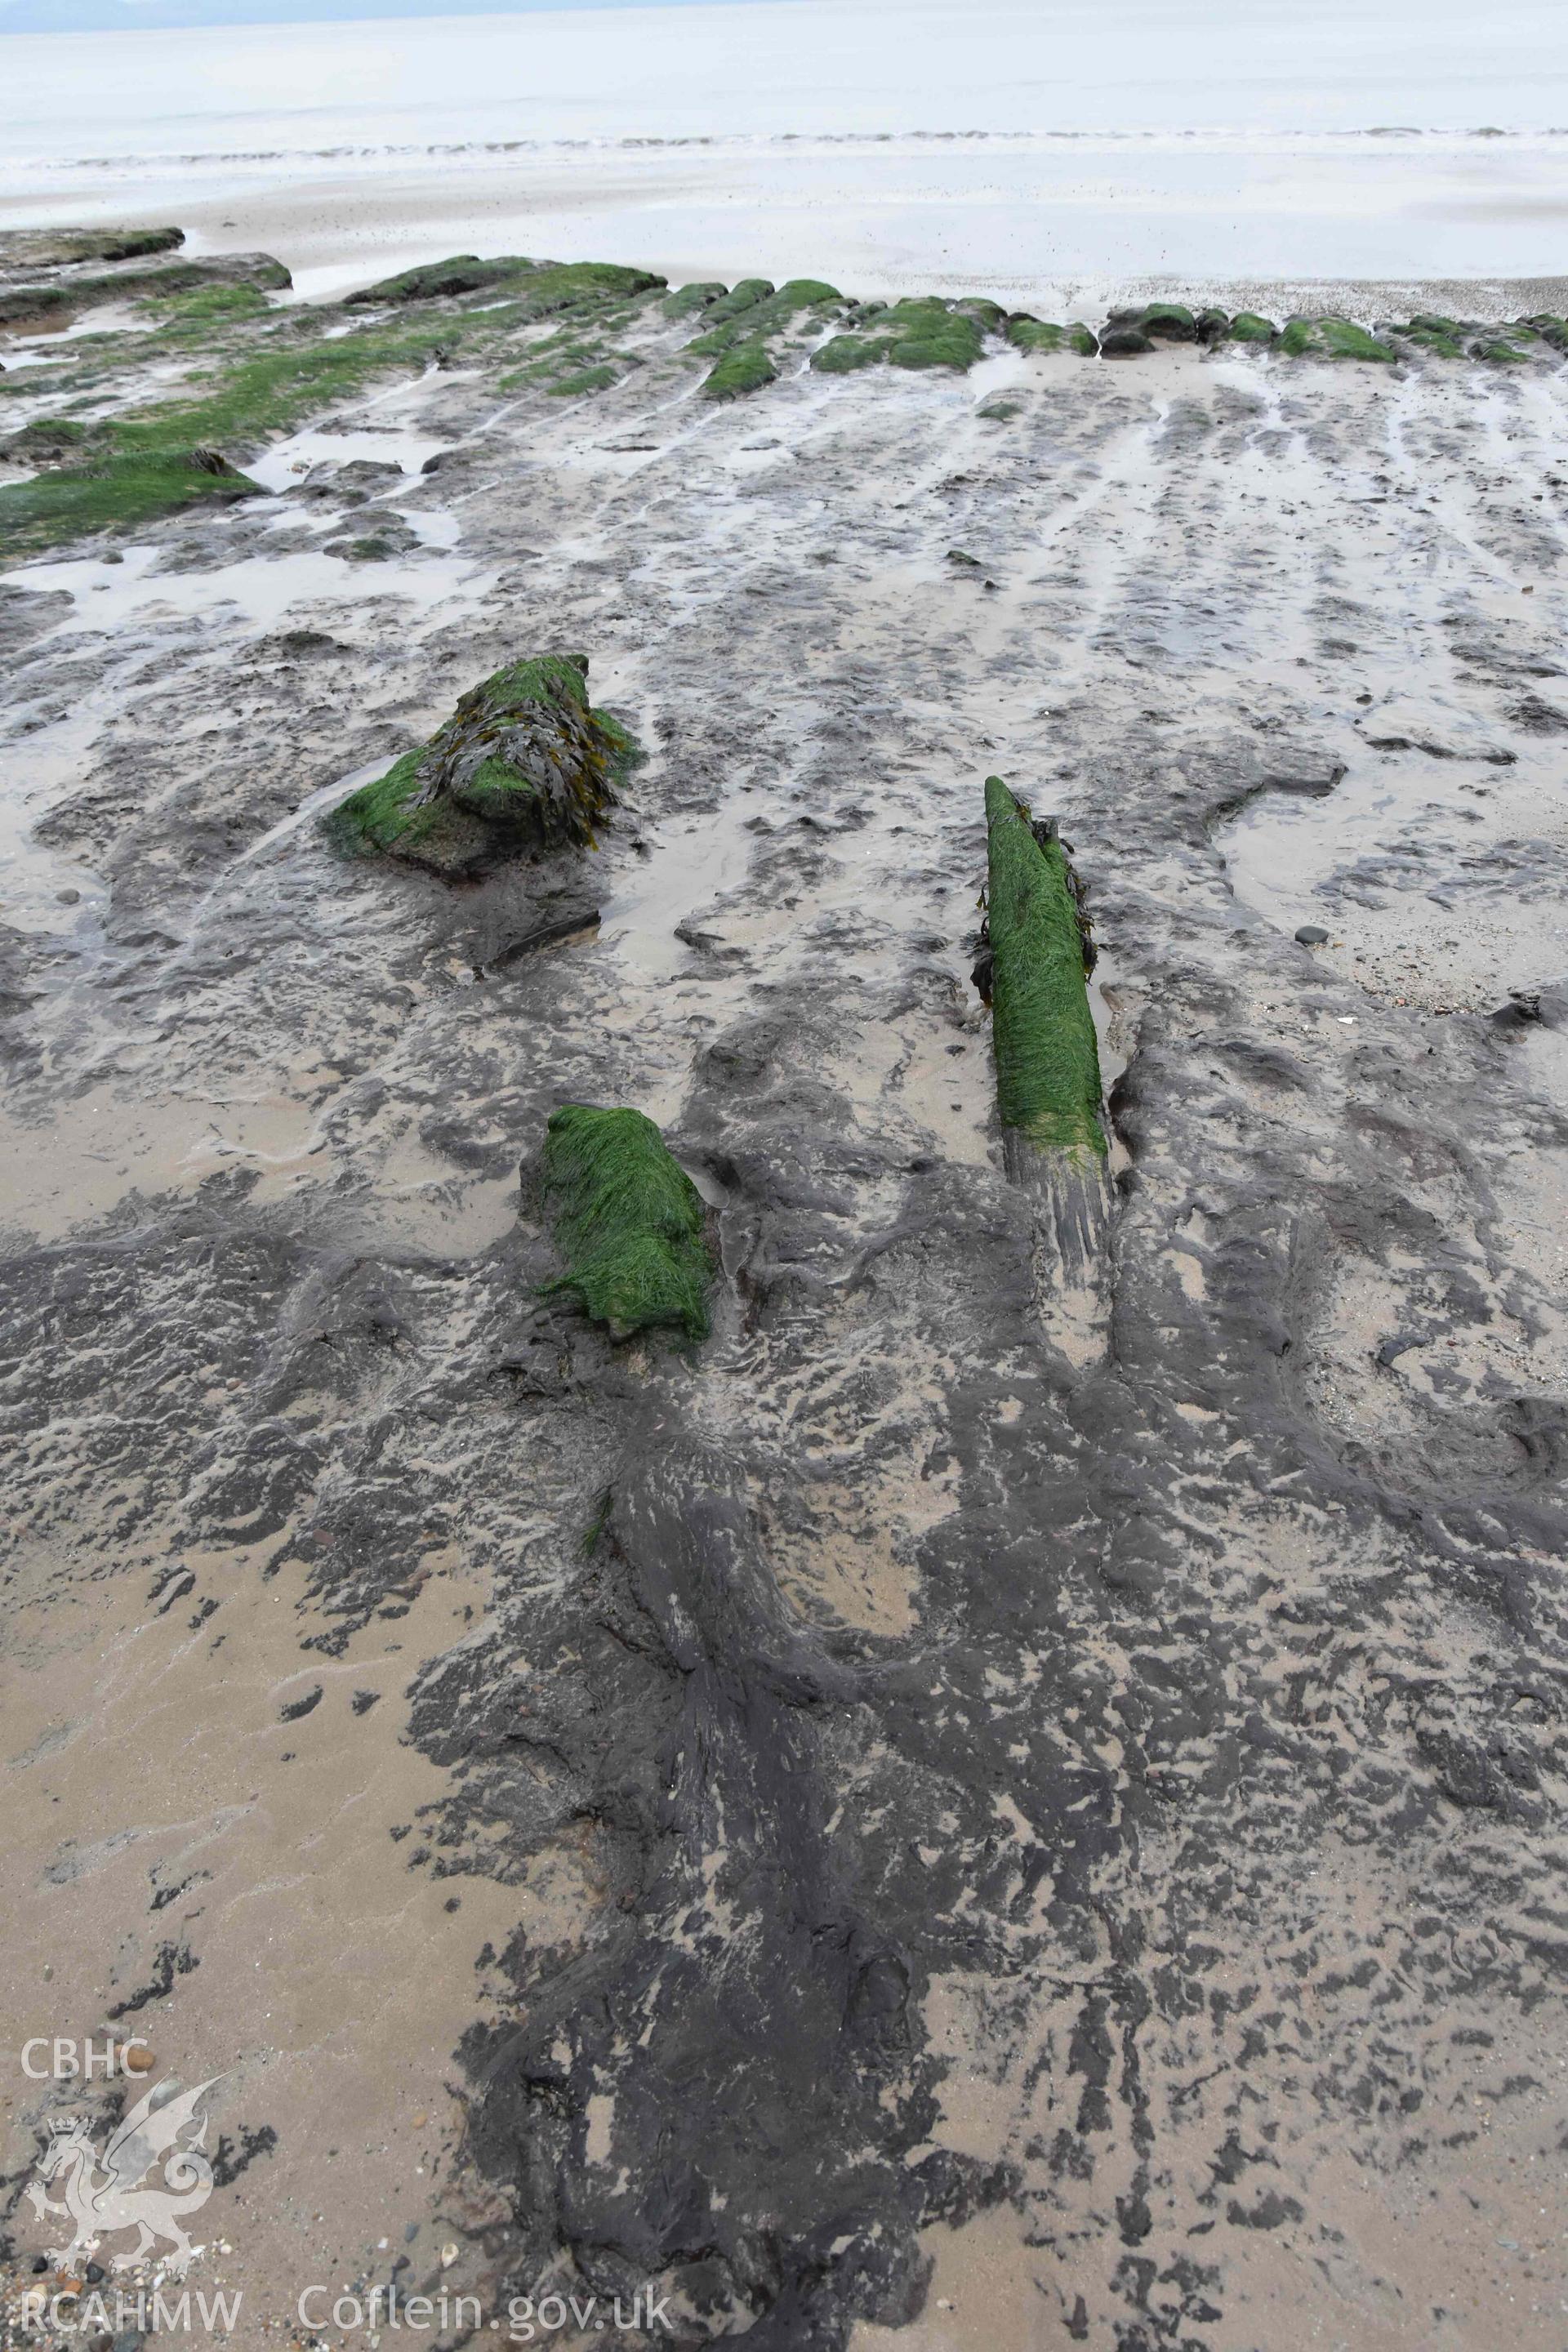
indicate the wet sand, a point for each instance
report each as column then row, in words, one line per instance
column 1173, row 1730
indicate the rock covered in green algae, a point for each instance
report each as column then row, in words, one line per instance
column 461, row 273
column 1047, row 1057
column 1214, row 327
column 114, row 493
column 524, row 766
column 740, row 299
column 1162, row 322
column 64, row 297
column 745, row 367
column 1030, row 334
column 1428, row 332
column 597, row 378
column 1123, row 342
column 1332, row 339
column 531, row 289
column 699, row 296
column 921, row 332
column 629, row 1221
column 769, row 314
column 62, row 248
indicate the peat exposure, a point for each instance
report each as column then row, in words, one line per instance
column 733, row 1585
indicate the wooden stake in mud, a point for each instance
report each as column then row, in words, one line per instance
column 1042, row 1030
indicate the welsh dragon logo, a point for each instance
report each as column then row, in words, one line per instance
column 102, row 2196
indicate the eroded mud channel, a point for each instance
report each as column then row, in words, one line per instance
column 901, row 1823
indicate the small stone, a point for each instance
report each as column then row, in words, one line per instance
column 95, row 2271
column 449, row 2255
column 139, row 2059
column 1312, row 935
column 68, row 898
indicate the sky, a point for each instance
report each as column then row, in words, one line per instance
column 120, row 16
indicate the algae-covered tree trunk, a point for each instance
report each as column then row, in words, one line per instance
column 524, row 767
column 1047, row 1057
column 630, row 1220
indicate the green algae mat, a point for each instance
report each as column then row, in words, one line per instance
column 114, row 493
column 923, row 331
column 629, row 1221
column 1042, row 1030
column 524, row 766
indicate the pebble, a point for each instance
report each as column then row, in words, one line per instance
column 68, row 898
column 1312, row 935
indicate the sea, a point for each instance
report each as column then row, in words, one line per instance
column 1008, row 146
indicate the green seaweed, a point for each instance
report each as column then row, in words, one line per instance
column 18, row 303
column 1028, row 335
column 1429, row 331
column 845, row 354
column 61, row 248
column 461, row 273
column 745, row 368
column 629, row 1222
column 921, row 332
column 598, row 378
column 588, row 287
column 699, row 296
column 1168, row 322
column 279, row 386
column 928, row 334
column 1047, row 1057
column 1251, row 327
column 744, row 297
column 1332, row 339
column 771, row 315
column 1500, row 352
column 186, row 316
column 56, row 440
column 269, row 372
column 524, row 766
column 114, row 493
